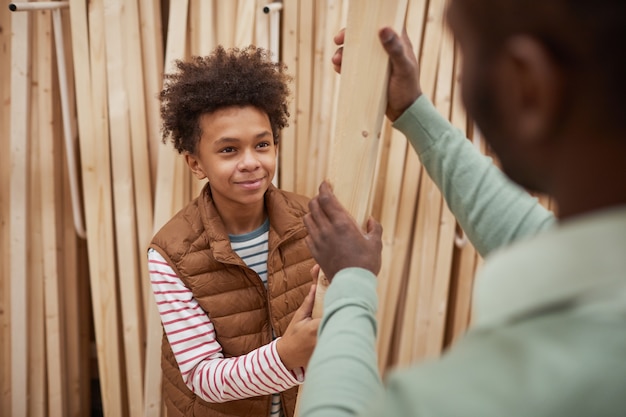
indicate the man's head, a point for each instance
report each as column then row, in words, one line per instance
column 541, row 76
column 226, row 78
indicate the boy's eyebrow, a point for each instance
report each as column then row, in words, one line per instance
column 227, row 139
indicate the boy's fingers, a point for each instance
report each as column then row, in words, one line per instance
column 340, row 37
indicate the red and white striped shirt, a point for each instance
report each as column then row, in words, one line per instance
column 200, row 359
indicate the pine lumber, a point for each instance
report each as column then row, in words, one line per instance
column 316, row 138
column 152, row 55
column 244, row 23
column 397, row 219
column 88, row 50
column 357, row 131
column 170, row 167
column 289, row 56
column 304, row 81
column 226, row 12
column 37, row 404
column 425, row 238
column 19, row 209
column 124, row 185
column 465, row 257
column 50, row 151
column 5, row 175
column 140, row 151
column 437, row 313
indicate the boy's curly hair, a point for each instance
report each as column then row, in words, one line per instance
column 233, row 77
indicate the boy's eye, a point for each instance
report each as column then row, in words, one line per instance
column 228, row 149
column 263, row 144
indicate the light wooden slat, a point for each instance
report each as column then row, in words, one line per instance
column 423, row 251
column 5, row 175
column 244, row 29
column 289, row 56
column 437, row 313
column 93, row 134
column 355, row 139
column 37, row 404
column 152, row 55
column 355, row 142
column 226, row 12
column 304, row 81
column 140, row 144
column 465, row 258
column 19, row 209
column 316, row 140
column 166, row 204
column 50, row 150
column 397, row 220
column 123, row 162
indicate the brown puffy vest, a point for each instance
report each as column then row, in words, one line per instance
column 196, row 245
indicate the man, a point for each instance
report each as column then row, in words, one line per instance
column 544, row 82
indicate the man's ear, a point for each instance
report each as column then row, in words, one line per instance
column 535, row 88
column 195, row 166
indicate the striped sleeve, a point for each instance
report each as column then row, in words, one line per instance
column 198, row 354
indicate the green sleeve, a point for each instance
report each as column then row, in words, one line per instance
column 342, row 377
column 491, row 209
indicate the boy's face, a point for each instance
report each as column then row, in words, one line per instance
column 237, row 154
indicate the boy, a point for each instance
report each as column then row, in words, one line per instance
column 231, row 271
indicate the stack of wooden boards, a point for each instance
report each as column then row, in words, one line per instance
column 59, row 294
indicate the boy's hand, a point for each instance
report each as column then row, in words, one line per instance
column 296, row 346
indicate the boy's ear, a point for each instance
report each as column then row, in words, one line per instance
column 194, row 165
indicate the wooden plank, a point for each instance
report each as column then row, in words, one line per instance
column 316, row 140
column 170, row 167
column 88, row 50
column 51, row 149
column 437, row 313
column 37, row 404
column 244, row 26
column 124, row 184
column 76, row 327
column 202, row 42
column 289, row 56
column 425, row 236
column 364, row 63
column 304, row 81
column 362, row 111
column 397, row 219
column 19, row 209
column 140, row 144
column 465, row 257
column 152, row 55
column 5, row 253
column 226, row 12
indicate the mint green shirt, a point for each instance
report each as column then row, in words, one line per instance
column 549, row 333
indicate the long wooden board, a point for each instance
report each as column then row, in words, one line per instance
column 5, row 257
column 355, row 140
column 19, row 209
column 88, row 53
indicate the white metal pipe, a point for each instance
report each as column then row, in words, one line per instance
column 42, row 5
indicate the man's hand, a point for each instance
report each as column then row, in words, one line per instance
column 336, row 240
column 296, row 346
column 404, row 87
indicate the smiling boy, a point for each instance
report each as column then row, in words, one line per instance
column 231, row 271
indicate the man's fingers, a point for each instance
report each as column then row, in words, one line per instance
column 391, row 43
column 374, row 228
